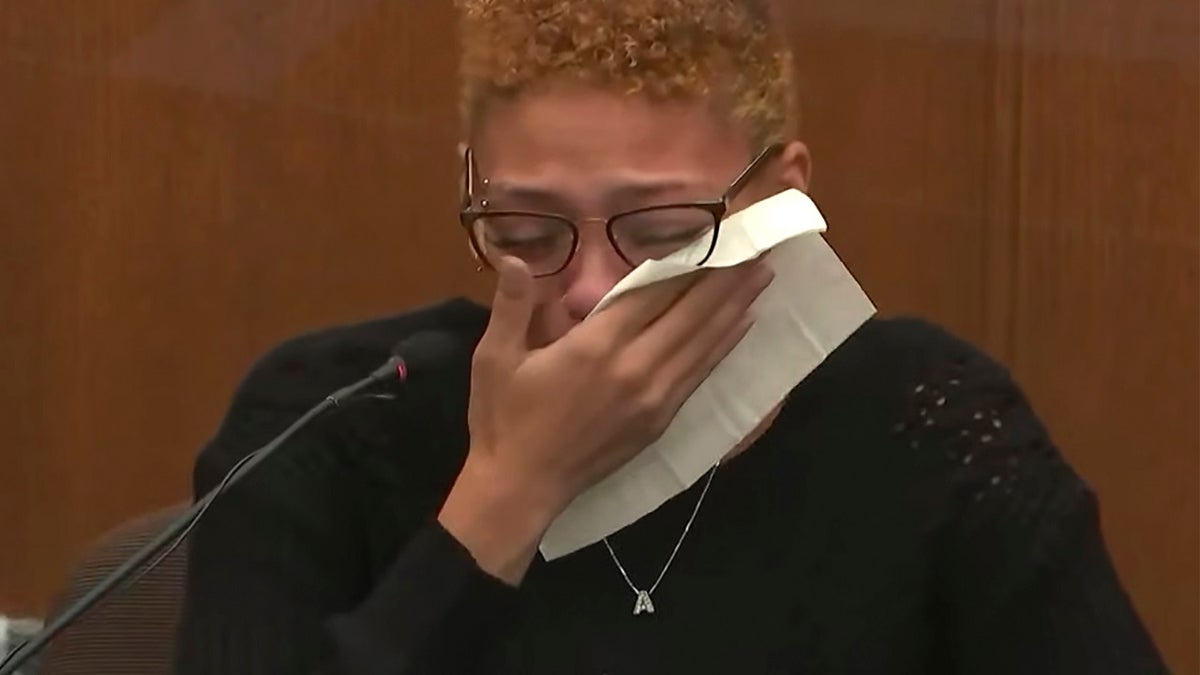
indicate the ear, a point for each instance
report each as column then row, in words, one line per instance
column 795, row 166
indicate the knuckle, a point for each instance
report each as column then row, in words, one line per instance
column 587, row 351
column 725, row 318
column 648, row 411
column 491, row 361
column 653, row 429
column 484, row 358
column 630, row 379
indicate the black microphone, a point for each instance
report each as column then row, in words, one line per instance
column 409, row 357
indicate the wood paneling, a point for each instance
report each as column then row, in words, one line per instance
column 1107, row 278
column 1026, row 173
column 897, row 110
column 185, row 184
column 190, row 181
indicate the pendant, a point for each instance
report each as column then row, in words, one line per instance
column 643, row 604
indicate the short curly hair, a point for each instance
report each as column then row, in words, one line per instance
column 725, row 50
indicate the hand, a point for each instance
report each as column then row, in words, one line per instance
column 548, row 423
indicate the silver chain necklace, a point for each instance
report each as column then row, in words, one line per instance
column 643, row 602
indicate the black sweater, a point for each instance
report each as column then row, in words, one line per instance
column 906, row 513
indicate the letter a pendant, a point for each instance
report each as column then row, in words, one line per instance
column 643, row 604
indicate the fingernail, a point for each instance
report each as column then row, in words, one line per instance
column 509, row 273
column 761, row 270
column 763, row 280
column 746, row 269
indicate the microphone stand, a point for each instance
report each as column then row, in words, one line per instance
column 179, row 528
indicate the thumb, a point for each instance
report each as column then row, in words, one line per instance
column 513, row 305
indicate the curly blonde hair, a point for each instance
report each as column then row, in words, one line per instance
column 722, row 50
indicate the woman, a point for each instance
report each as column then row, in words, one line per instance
column 902, row 511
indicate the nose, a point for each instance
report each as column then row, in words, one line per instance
column 592, row 273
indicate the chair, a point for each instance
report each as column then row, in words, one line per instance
column 132, row 632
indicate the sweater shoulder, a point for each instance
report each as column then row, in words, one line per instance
column 310, row 365
column 920, row 406
column 886, row 358
column 299, row 372
column 954, row 420
column 909, row 338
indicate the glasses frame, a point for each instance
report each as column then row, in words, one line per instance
column 469, row 213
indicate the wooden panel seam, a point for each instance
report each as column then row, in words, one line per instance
column 1000, row 243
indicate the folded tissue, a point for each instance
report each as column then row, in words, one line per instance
column 809, row 309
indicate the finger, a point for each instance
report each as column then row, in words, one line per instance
column 512, row 309
column 551, row 320
column 702, row 316
column 695, row 352
column 683, row 386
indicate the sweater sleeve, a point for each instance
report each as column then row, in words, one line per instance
column 1026, row 583
column 279, row 582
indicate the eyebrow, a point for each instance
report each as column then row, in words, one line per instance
column 619, row 194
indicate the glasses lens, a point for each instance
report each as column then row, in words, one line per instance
column 683, row 231
column 544, row 243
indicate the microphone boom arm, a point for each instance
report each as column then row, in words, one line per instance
column 182, row 525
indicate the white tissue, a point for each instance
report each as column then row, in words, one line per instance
column 809, row 309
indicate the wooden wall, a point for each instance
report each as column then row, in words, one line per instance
column 184, row 183
column 1027, row 173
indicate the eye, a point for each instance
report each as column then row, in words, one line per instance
column 680, row 236
column 529, row 237
column 667, row 228
column 514, row 239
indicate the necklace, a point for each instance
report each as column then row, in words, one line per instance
column 643, row 601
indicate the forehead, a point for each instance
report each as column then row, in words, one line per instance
column 588, row 134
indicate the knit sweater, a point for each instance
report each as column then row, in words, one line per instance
column 905, row 513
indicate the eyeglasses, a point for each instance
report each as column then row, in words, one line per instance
column 547, row 242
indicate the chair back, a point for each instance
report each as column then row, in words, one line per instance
column 132, row 632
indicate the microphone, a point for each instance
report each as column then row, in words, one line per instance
column 409, row 356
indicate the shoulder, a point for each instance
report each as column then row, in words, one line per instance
column 952, row 400
column 930, row 403
column 296, row 374
column 308, row 365
column 898, row 363
column 959, row 416
column 939, row 390
column 904, row 345
column 887, row 365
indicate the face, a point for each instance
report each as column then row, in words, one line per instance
column 589, row 154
